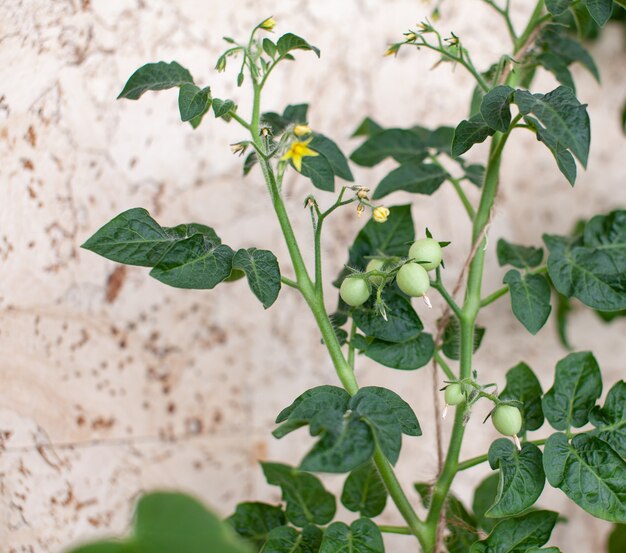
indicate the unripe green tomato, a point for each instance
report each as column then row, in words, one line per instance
column 354, row 291
column 507, row 419
column 375, row 265
column 428, row 250
column 413, row 279
column 454, row 394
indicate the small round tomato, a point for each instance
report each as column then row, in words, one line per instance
column 413, row 279
column 375, row 265
column 454, row 394
column 427, row 250
column 354, row 291
column 507, row 419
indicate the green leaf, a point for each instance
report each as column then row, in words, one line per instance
column 320, row 171
column 195, row 262
column 400, row 144
column 135, row 238
column 289, row 42
column 166, row 522
column 105, row 547
column 475, row 173
column 296, row 113
column 589, row 472
column 564, row 50
column 522, row 257
column 592, row 268
column 261, row 268
column 617, row 539
column 367, row 127
column 530, row 299
column 407, row 356
column 414, row 176
column 521, row 477
column 518, row 534
column 451, row 338
column 577, row 385
column 600, row 10
column 558, row 67
column 342, row 399
column 402, row 323
column 401, row 409
column 496, row 108
column 610, row 420
column 383, row 422
column 193, row 101
column 221, row 108
column 289, row 540
column 562, row 124
column 557, row 7
column 468, row 133
column 269, row 47
column 155, row 76
column 307, row 500
column 333, row 154
column 484, row 497
column 522, row 385
column 346, row 442
column 391, row 239
column 364, row 491
column 254, row 521
column 362, row 536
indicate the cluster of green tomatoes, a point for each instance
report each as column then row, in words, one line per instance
column 412, row 277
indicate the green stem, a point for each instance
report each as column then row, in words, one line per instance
column 536, row 19
column 438, row 285
column 444, row 366
column 239, row 120
column 289, row 282
column 351, row 349
column 494, row 296
column 385, row 529
column 456, row 183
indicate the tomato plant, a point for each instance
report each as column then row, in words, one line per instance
column 359, row 431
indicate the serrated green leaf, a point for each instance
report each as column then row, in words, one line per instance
column 289, row 42
column 468, row 133
column 522, row 385
column 135, row 238
column 362, row 536
column 484, row 497
column 333, row 154
column 307, row 500
column 522, row 257
column 589, row 472
column 410, row 355
column 592, row 268
column 600, row 10
column 451, row 338
column 518, row 534
column 610, row 420
column 155, row 76
column 530, row 299
column 289, row 540
column 577, row 386
column 403, row 323
column 254, row 521
column 364, row 492
column 496, row 108
column 561, row 123
column 193, row 101
column 400, row 144
column 521, row 477
column 261, row 268
column 415, row 177
column 320, row 171
column 195, row 262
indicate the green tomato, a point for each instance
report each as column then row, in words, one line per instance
column 354, row 291
column 428, row 250
column 375, row 265
column 454, row 394
column 413, row 279
column 507, row 419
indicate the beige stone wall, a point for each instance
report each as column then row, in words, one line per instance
column 112, row 384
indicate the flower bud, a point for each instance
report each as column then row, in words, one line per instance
column 380, row 214
column 268, row 24
column 301, row 130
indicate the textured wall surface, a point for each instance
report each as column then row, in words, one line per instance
column 111, row 383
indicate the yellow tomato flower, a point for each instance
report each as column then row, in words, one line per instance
column 301, row 130
column 268, row 24
column 380, row 214
column 298, row 150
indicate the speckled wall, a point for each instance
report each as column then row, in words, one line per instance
column 111, row 383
